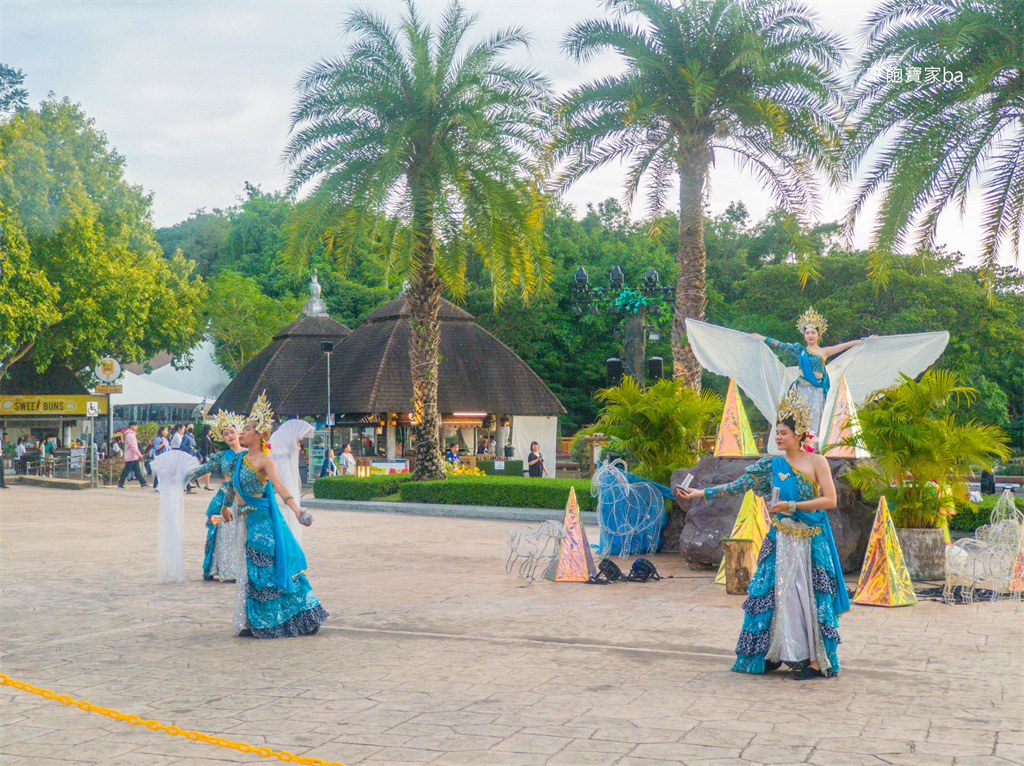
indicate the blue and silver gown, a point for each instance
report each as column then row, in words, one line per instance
column 808, row 389
column 797, row 592
column 221, row 539
column 274, row 598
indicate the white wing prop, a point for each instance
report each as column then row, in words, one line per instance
column 284, row 451
column 171, row 468
column 877, row 363
column 739, row 355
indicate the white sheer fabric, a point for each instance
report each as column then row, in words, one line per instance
column 874, row 364
column 171, row 468
column 284, row 450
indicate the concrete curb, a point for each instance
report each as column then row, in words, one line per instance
column 436, row 509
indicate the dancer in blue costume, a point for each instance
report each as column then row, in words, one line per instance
column 811, row 388
column 274, row 597
column 221, row 537
column 797, row 593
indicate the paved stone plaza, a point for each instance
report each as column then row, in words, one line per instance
column 433, row 655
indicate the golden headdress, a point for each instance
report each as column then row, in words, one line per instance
column 812, row 318
column 262, row 415
column 789, row 407
column 223, row 420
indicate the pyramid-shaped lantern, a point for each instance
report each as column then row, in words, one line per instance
column 734, row 436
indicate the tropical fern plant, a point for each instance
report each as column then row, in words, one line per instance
column 920, row 452
column 661, row 426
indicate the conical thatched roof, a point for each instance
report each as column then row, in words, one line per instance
column 370, row 371
column 279, row 368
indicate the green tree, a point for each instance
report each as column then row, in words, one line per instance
column 12, row 95
column 437, row 130
column 703, row 78
column 661, row 426
column 242, row 319
column 928, row 141
column 920, row 450
column 200, row 238
column 87, row 263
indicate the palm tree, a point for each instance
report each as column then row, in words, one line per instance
column 423, row 126
column 919, row 449
column 751, row 78
column 661, row 426
column 939, row 109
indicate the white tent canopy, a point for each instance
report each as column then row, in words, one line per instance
column 206, row 378
column 136, row 390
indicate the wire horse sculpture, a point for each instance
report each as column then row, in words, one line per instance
column 529, row 547
column 986, row 561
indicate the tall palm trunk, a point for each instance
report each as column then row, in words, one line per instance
column 424, row 295
column 691, row 297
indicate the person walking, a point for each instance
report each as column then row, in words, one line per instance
column 177, row 435
column 132, row 456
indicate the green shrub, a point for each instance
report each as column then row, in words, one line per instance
column 512, row 468
column 973, row 515
column 358, row 487
column 504, row 491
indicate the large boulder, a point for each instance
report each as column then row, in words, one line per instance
column 706, row 522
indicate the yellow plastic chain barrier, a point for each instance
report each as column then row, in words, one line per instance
column 195, row 736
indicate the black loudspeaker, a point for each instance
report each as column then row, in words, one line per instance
column 655, row 369
column 613, row 372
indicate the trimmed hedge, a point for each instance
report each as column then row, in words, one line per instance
column 968, row 518
column 504, row 491
column 358, row 487
column 512, row 468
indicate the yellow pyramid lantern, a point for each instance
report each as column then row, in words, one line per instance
column 574, row 562
column 841, row 423
column 734, row 436
column 884, row 579
column 1017, row 575
column 752, row 523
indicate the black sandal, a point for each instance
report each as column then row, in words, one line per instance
column 771, row 667
column 806, row 674
column 245, row 633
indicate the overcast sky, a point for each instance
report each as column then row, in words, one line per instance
column 196, row 94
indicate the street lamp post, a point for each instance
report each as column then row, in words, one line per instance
column 633, row 306
column 327, row 347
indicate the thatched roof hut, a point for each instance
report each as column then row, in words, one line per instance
column 371, row 373
column 280, row 368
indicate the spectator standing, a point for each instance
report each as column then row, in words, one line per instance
column 188, row 444
column 481, row 447
column 177, row 435
column 348, row 461
column 329, row 468
column 451, row 457
column 205, row 450
column 3, row 480
column 161, row 444
column 536, row 462
column 132, row 456
column 22, row 448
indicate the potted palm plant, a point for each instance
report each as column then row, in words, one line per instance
column 921, row 455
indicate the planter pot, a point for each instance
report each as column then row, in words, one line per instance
column 924, row 552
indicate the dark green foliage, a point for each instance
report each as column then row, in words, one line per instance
column 512, row 468
column 970, row 516
column 503, row 491
column 358, row 487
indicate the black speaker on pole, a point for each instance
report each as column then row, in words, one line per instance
column 613, row 372
column 655, row 369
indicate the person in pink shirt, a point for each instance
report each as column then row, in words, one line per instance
column 132, row 456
